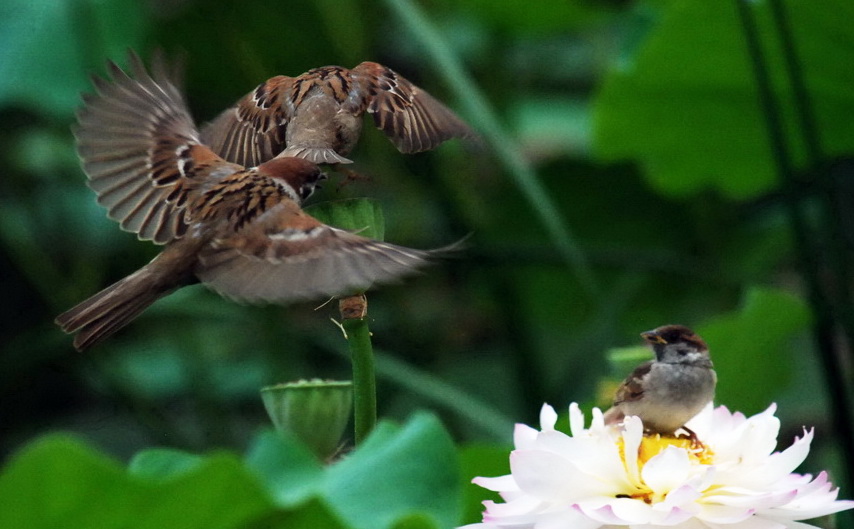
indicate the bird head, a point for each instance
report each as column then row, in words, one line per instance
column 676, row 344
column 301, row 175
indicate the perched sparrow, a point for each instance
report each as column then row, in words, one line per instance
column 318, row 116
column 668, row 391
column 240, row 231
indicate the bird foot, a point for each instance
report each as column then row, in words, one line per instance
column 692, row 436
column 350, row 177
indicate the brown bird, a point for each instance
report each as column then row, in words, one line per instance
column 668, row 391
column 240, row 231
column 318, row 116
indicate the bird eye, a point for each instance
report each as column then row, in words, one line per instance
column 682, row 352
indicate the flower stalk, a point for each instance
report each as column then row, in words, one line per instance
column 354, row 310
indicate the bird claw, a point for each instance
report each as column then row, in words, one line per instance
column 350, row 177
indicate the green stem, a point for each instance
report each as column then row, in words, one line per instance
column 364, row 376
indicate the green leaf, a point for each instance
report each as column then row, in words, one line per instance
column 163, row 463
column 313, row 514
column 362, row 215
column 686, row 107
column 289, row 470
column 751, row 347
column 398, row 472
column 58, row 481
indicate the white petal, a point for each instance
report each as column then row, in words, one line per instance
column 667, row 470
column 620, row 511
column 632, row 435
column 599, row 459
column 757, row 522
column 684, row 497
column 598, row 421
column 548, row 476
column 782, row 463
column 565, row 518
column 548, row 418
column 497, row 484
column 524, row 436
column 576, row 420
column 724, row 514
column 525, row 506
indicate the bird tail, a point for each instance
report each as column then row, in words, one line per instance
column 110, row 309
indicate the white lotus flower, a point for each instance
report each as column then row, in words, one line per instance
column 604, row 476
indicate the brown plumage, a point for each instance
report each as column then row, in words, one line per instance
column 318, row 116
column 668, row 391
column 240, row 231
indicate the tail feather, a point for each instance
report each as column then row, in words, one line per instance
column 110, row 309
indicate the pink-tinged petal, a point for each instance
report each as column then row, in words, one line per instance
column 548, row 418
column 675, row 516
column 782, row 463
column 750, row 499
column 757, row 522
column 524, row 436
column 630, row 512
column 808, row 513
column 667, row 470
column 496, row 484
column 724, row 514
column 683, row 497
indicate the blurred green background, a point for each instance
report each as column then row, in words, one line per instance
column 628, row 179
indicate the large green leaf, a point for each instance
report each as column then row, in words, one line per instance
column 398, row 473
column 401, row 477
column 752, row 347
column 59, row 482
column 685, row 106
column 289, row 470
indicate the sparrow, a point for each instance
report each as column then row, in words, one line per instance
column 318, row 116
column 240, row 231
column 667, row 392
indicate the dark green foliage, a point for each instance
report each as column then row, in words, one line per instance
column 626, row 180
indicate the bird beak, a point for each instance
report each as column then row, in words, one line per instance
column 653, row 337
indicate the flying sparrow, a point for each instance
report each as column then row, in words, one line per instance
column 668, row 391
column 318, row 116
column 240, row 231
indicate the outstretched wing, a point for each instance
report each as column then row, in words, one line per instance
column 285, row 255
column 411, row 118
column 139, row 147
column 253, row 131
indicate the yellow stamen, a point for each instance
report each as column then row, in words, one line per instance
column 653, row 444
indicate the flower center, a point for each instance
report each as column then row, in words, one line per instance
column 651, row 446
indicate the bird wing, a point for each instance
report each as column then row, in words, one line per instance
column 283, row 254
column 139, row 148
column 253, row 130
column 411, row 118
column 632, row 387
